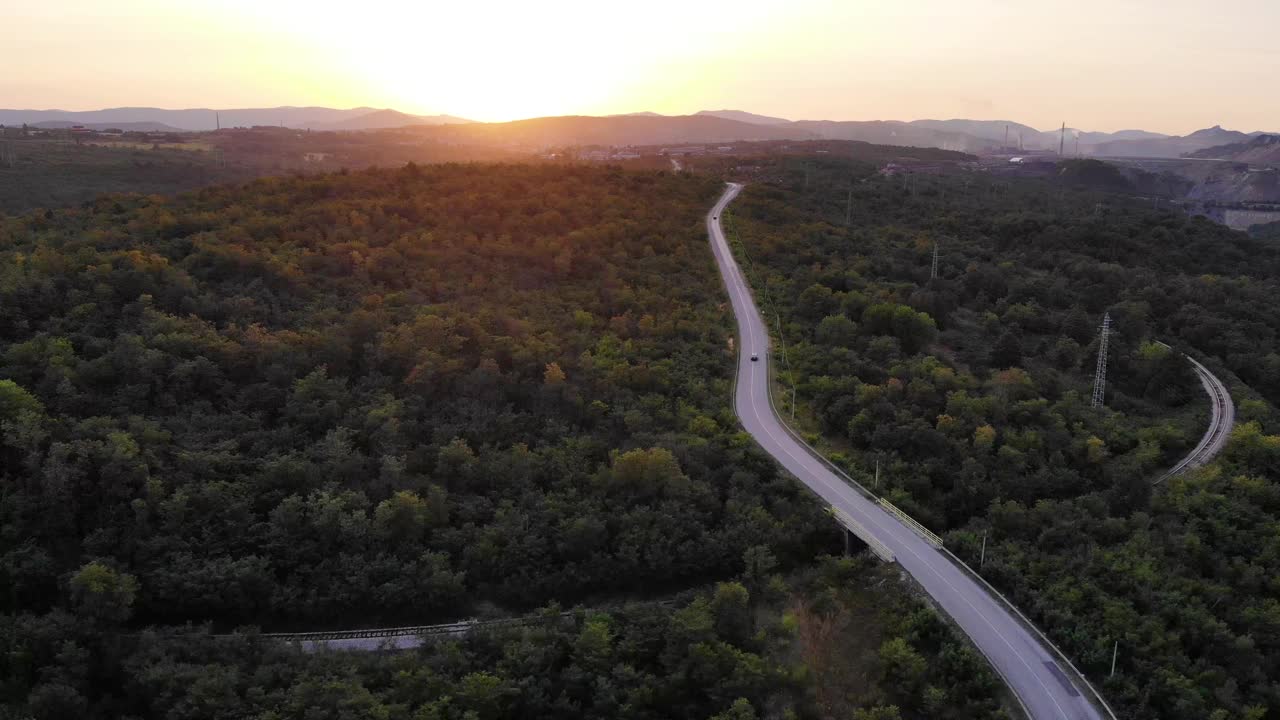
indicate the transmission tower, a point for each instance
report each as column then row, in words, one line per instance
column 1100, row 375
column 933, row 274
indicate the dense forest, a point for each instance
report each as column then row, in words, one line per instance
column 52, row 173
column 971, row 390
column 410, row 396
column 731, row 652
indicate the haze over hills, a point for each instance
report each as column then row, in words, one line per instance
column 648, row 128
column 146, row 126
column 383, row 119
column 319, row 118
column 1170, row 147
column 1260, row 150
column 615, row 130
column 743, row 116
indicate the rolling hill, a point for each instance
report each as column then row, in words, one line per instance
column 649, row 128
column 360, row 118
column 126, row 126
column 1261, row 150
column 619, row 130
column 743, row 116
column 994, row 130
column 893, row 132
column 1169, row 147
column 383, row 119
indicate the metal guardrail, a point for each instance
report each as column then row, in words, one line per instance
column 880, row 550
column 924, row 532
column 1033, row 627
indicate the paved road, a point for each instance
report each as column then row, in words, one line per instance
column 1030, row 670
column 1221, row 421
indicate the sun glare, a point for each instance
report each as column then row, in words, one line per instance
column 500, row 61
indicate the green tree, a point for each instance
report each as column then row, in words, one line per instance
column 836, row 330
column 102, row 593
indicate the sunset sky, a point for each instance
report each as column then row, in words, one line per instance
column 1168, row 65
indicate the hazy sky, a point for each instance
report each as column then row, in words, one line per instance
column 1166, row 65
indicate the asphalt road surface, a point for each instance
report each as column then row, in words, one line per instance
column 1044, row 688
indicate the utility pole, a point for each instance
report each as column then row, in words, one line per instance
column 1114, row 652
column 1100, row 375
column 933, row 274
column 982, row 559
column 848, row 207
column 1062, row 139
column 877, row 481
column 793, row 400
column 1006, row 138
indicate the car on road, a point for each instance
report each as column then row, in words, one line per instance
column 755, row 357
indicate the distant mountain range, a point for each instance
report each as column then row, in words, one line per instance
column 720, row 126
column 1259, row 150
column 1170, row 147
column 648, row 128
column 126, row 126
column 615, row 130
column 316, row 118
column 743, row 116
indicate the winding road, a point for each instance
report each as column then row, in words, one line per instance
column 1045, row 688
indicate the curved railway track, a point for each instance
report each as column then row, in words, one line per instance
column 1221, row 421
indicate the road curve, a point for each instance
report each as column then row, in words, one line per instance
column 1031, row 671
column 1222, row 420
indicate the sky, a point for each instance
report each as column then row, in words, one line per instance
column 1164, row 65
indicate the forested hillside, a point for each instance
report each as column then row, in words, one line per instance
column 386, row 392
column 407, row 397
column 972, row 392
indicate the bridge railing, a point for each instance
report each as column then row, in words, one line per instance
column 881, row 550
column 924, row 532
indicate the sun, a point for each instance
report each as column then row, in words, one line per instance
column 500, row 61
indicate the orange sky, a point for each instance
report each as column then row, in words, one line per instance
column 1171, row 66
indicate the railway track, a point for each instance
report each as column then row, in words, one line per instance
column 411, row 636
column 1221, row 421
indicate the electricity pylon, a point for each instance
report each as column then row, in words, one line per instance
column 1100, row 375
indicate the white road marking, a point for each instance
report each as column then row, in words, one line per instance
column 747, row 316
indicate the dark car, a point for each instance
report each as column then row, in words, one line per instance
column 754, row 357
